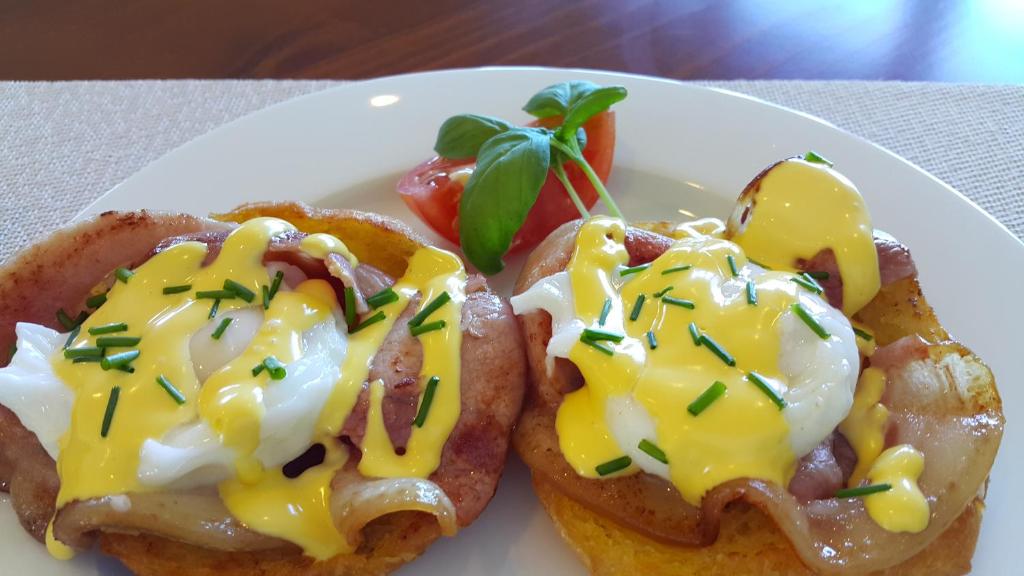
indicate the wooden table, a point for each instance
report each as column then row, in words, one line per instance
column 946, row 40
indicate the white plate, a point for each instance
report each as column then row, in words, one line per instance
column 679, row 147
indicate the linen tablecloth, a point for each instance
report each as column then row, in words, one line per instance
column 63, row 144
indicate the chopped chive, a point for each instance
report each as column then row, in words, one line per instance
column 177, row 289
column 66, row 321
column 84, row 352
column 598, row 335
column 221, row 328
column 865, row 335
column 706, row 398
column 13, row 351
column 651, row 340
column 688, row 304
column 368, row 322
column 613, row 466
column 637, row 306
column 603, row 349
column 604, row 311
column 71, row 337
column 258, row 368
column 120, row 359
column 695, row 333
column 634, row 269
column 863, row 490
column 350, row 306
column 82, row 317
column 717, row 349
column 652, row 450
column 276, row 284
column 663, row 291
column 275, row 368
column 108, row 416
column 239, row 290
column 676, row 269
column 818, row 274
column 804, row 315
column 815, row 158
column 265, row 293
column 428, row 327
column 732, row 264
column 382, row 298
column 108, row 329
column 765, row 387
column 84, row 359
column 216, row 294
column 123, row 274
column 751, row 293
column 752, row 261
column 429, row 309
column 213, row 309
column 96, row 301
column 808, row 283
column 428, row 399
column 170, row 389
column 117, row 341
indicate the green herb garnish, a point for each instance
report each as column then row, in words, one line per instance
column 717, row 349
column 600, row 347
column 637, row 306
column 276, row 284
column 818, row 274
column 266, row 297
column 652, row 450
column 428, row 327
column 652, row 342
column 177, row 289
column 676, row 269
column 71, row 337
column 751, row 293
column 604, row 311
column 695, row 333
column 429, row 309
column 706, row 398
column 123, row 274
column 759, row 381
column 215, row 295
column 66, row 321
column 120, row 359
column 108, row 329
column 815, row 158
column 96, row 301
column 382, row 298
column 84, row 352
column 813, row 324
column 598, row 335
column 117, row 341
column 663, row 291
column 257, row 369
column 688, row 304
column 613, row 466
column 239, row 290
column 170, row 389
column 221, row 328
column 350, row 306
column 428, row 399
column 732, row 264
column 213, row 309
column 863, row 490
column 862, row 334
column 633, row 269
column 108, row 415
column 808, row 283
column 274, row 368
column 379, row 316
column 513, row 162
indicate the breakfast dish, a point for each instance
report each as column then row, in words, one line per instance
column 278, row 390
column 770, row 394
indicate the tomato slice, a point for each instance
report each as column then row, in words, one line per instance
column 433, row 189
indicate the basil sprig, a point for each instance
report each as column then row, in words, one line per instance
column 512, row 163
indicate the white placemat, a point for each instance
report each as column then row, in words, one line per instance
column 65, row 143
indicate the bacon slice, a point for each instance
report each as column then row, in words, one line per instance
column 941, row 400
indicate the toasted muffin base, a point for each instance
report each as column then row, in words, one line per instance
column 390, row 542
column 749, row 543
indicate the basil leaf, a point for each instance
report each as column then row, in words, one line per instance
column 558, row 99
column 462, row 136
column 594, row 102
column 510, row 170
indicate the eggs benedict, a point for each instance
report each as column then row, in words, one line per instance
column 281, row 389
column 768, row 394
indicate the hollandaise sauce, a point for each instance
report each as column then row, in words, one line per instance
column 131, row 369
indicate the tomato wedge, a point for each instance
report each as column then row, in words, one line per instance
column 433, row 189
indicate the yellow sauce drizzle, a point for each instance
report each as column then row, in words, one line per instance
column 864, row 426
column 743, row 434
column 800, row 209
column 904, row 508
column 231, row 399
